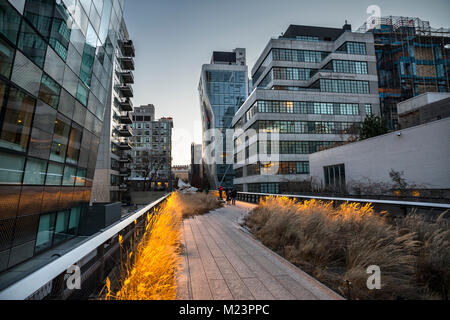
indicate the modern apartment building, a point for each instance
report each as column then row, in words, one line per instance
column 56, row 65
column 412, row 58
column 223, row 87
column 152, row 150
column 114, row 155
column 313, row 87
column 196, row 167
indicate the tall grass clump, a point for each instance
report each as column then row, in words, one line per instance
column 337, row 245
column 149, row 269
column 196, row 203
column 149, row 272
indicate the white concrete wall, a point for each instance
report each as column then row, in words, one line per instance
column 422, row 153
column 420, row 101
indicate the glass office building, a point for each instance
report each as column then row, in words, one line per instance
column 223, row 89
column 55, row 80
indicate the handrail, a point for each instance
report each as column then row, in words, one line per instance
column 375, row 201
column 25, row 287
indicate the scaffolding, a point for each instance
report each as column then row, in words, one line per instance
column 398, row 23
column 412, row 58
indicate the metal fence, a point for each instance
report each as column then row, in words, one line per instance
column 95, row 257
column 395, row 208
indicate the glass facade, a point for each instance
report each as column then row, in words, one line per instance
column 55, row 73
column 226, row 91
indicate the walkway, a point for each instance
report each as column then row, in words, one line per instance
column 222, row 261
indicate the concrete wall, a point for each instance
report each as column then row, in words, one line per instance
column 420, row 101
column 422, row 153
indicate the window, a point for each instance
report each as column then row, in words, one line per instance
column 344, row 86
column 49, row 91
column 16, row 123
column 344, row 66
column 302, row 107
column 292, row 73
column 54, row 175
column 61, row 226
column 334, row 176
column 9, row 21
column 32, row 44
column 60, row 140
column 69, row 176
column 368, row 108
column 35, row 172
column 73, row 149
column 298, row 55
column 11, row 168
column 358, row 48
column 46, row 229
column 80, row 178
column 74, row 221
column 6, row 58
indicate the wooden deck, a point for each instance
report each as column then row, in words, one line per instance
column 222, row 262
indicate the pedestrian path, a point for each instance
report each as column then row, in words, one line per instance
column 221, row 261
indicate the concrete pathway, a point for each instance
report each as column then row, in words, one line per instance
column 223, row 262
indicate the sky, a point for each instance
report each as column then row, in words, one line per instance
column 174, row 38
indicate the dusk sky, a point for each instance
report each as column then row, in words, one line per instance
column 173, row 38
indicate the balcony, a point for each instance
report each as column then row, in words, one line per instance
column 125, row 172
column 125, row 145
column 125, row 90
column 125, row 118
column 125, row 158
column 126, row 105
column 126, row 76
column 125, row 131
column 126, row 63
column 127, row 48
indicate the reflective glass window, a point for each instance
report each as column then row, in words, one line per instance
column 16, row 122
column 61, row 226
column 35, row 172
column 39, row 14
column 49, row 92
column 73, row 149
column 54, row 174
column 6, row 58
column 69, row 176
column 11, row 168
column 60, row 140
column 45, row 231
column 9, row 21
column 74, row 221
column 32, row 44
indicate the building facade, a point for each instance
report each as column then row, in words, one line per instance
column 152, row 151
column 313, row 87
column 412, row 58
column 223, row 87
column 419, row 153
column 56, row 65
column 114, row 155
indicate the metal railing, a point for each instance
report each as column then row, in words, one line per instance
column 402, row 207
column 89, row 255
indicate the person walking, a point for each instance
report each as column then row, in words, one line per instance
column 221, row 193
column 233, row 196
column 228, row 196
